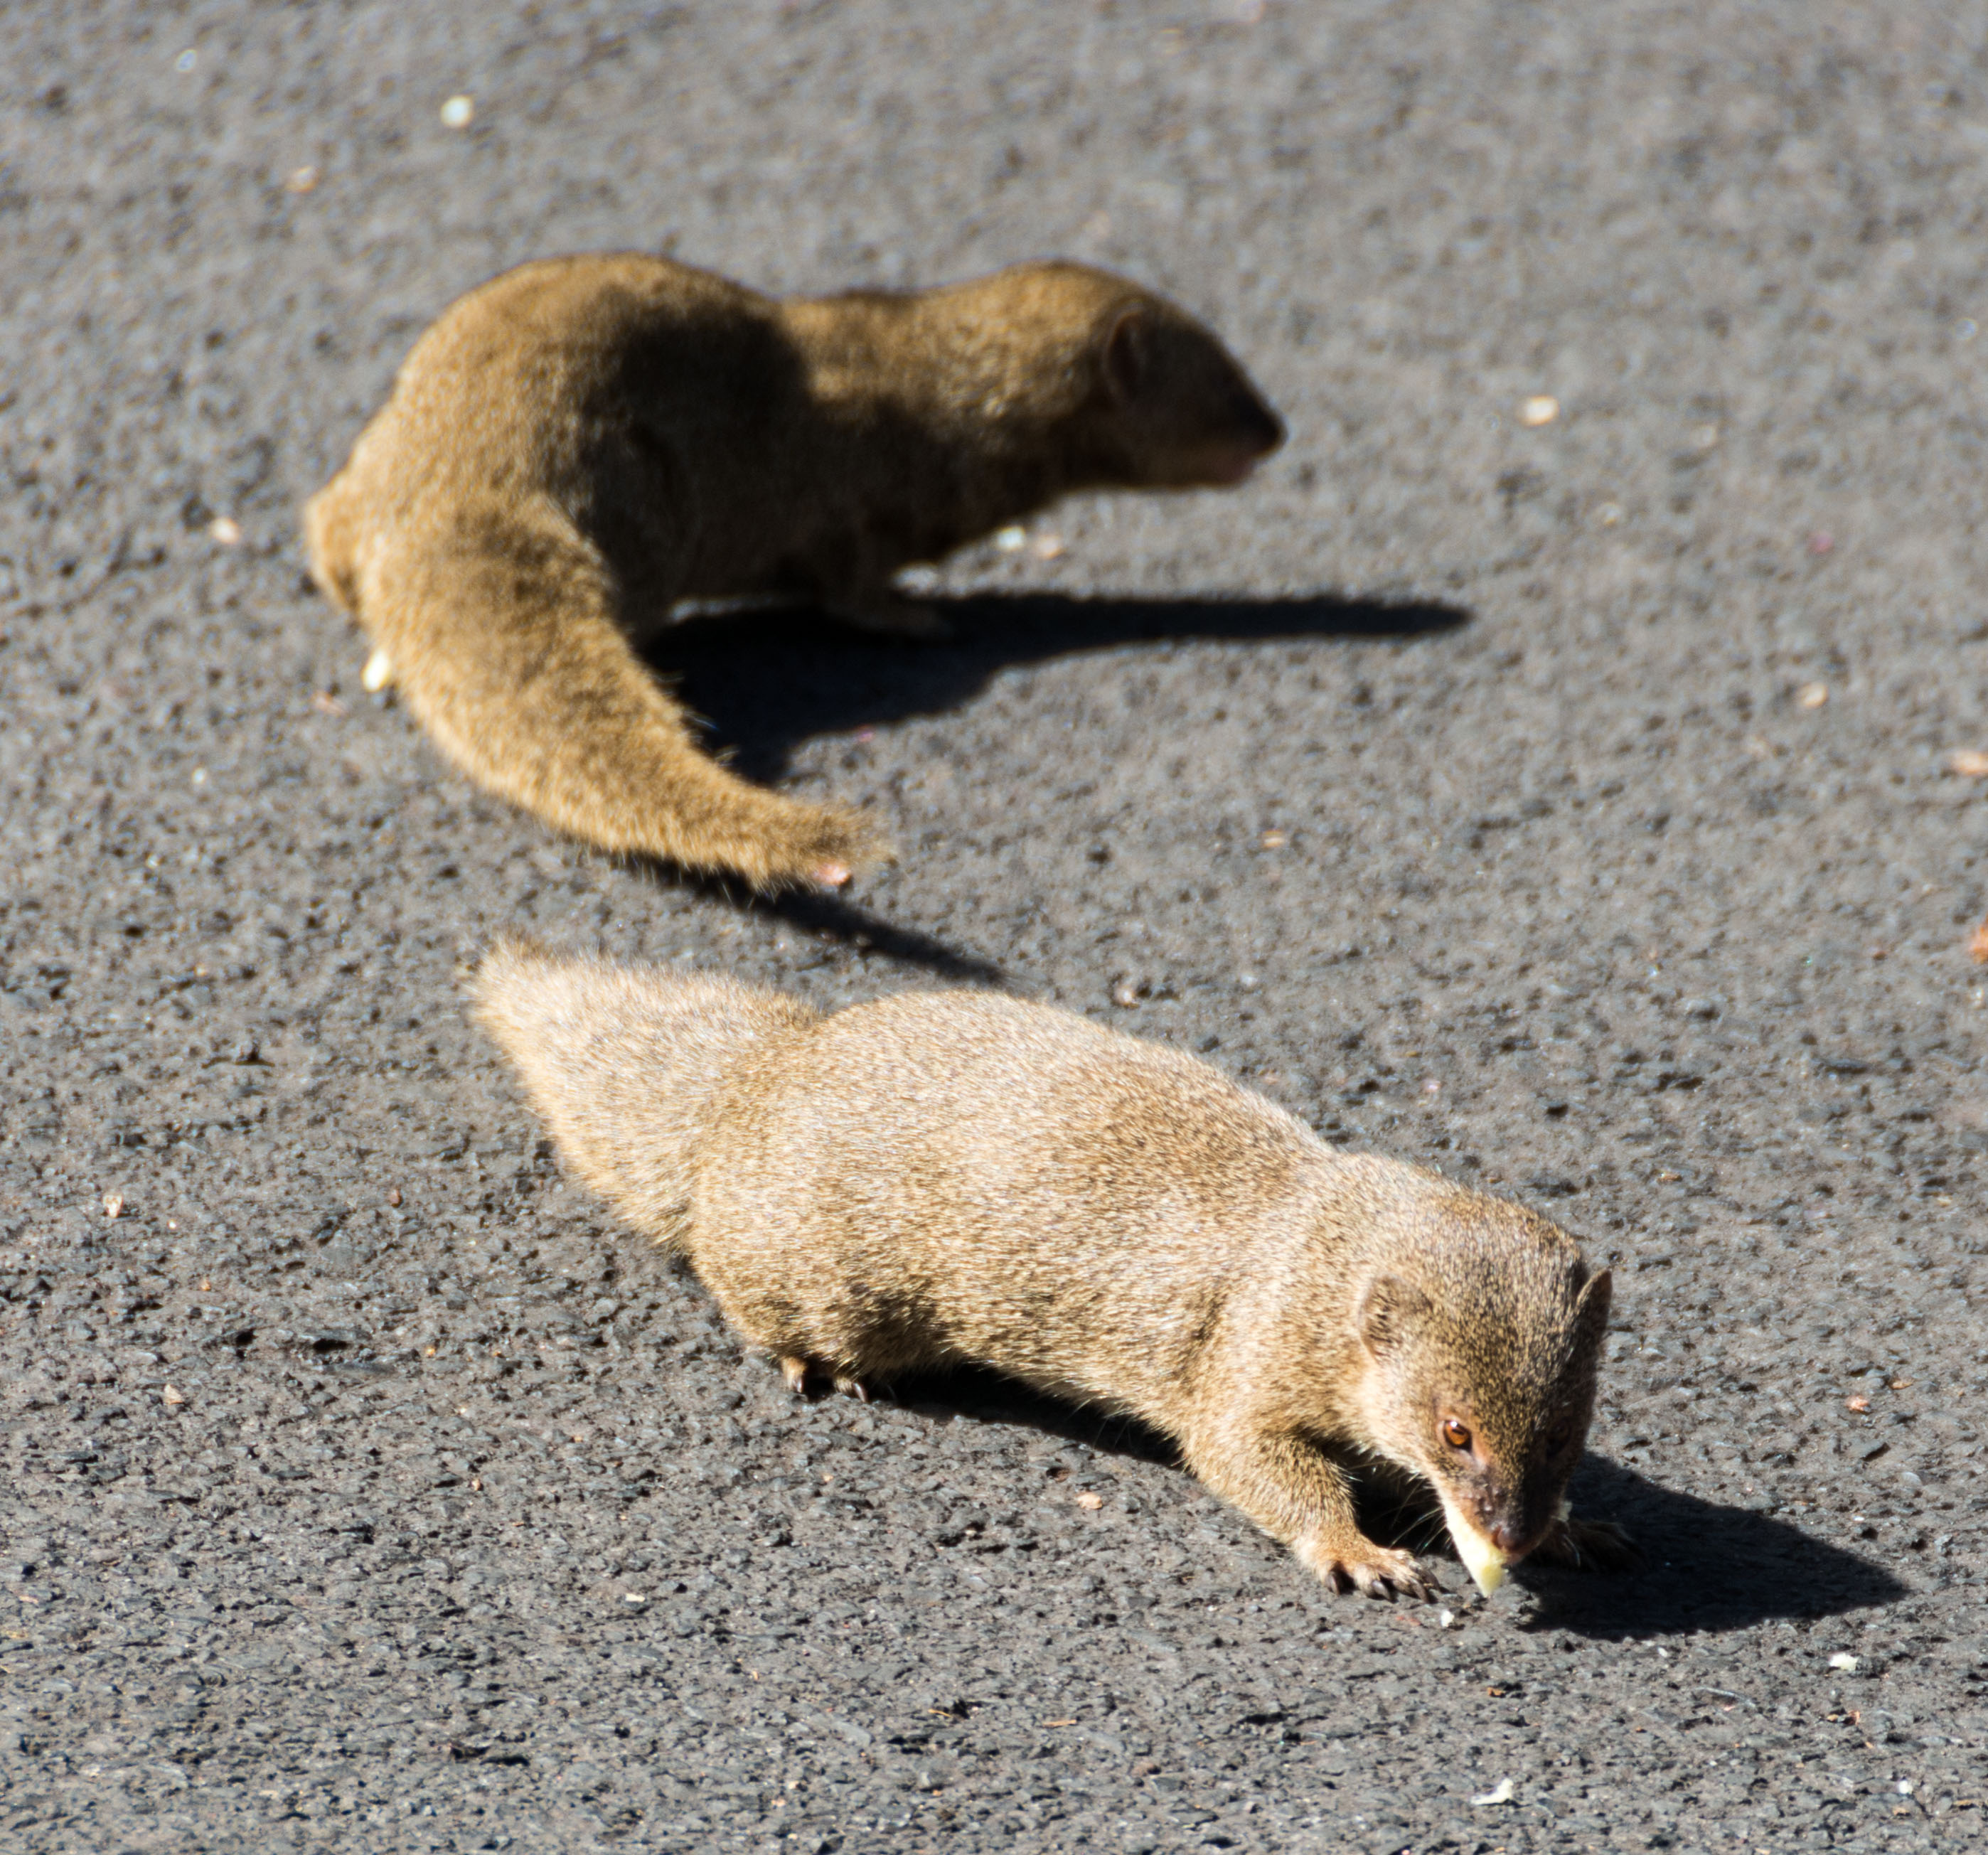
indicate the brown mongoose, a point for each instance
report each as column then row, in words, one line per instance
column 944, row 1177
column 582, row 444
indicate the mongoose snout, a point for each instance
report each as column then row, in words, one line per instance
column 578, row 447
column 938, row 1178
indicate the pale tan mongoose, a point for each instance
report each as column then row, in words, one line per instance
column 942, row 1177
column 582, row 444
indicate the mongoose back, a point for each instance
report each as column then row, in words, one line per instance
column 583, row 443
column 943, row 1177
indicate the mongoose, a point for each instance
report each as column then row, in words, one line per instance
column 582, row 444
column 938, row 1178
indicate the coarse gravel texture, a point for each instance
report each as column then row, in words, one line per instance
column 1566, row 805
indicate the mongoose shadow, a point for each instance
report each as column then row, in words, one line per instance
column 1706, row 1567
column 832, row 679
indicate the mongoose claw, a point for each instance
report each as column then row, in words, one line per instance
column 795, row 1371
column 1587, row 1546
column 1373, row 1571
column 853, row 1388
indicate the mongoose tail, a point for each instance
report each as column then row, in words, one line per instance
column 627, row 1068
column 500, row 636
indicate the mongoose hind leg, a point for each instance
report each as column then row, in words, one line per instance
column 807, row 1378
column 501, row 634
column 1295, row 1493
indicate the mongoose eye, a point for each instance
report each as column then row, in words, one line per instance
column 1455, row 1434
column 1559, row 1440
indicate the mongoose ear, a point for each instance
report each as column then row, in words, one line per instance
column 1390, row 1311
column 1591, row 1311
column 1125, row 344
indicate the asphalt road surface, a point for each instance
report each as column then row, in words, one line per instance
column 1569, row 803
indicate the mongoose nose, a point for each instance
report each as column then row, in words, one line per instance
column 1505, row 1537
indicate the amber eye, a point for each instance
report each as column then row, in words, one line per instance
column 1455, row 1434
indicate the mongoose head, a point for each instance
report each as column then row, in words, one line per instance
column 1183, row 414
column 1480, row 1341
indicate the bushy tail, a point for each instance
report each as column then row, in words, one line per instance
column 499, row 626
column 625, row 1063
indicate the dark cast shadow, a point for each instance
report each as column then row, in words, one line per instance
column 1705, row 1566
column 761, row 681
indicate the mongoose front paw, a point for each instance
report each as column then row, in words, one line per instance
column 1356, row 1563
column 1587, row 1546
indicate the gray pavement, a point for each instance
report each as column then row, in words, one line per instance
column 1569, row 806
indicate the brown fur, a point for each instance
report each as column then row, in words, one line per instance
column 583, row 443
column 948, row 1177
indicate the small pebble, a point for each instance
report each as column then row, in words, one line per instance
column 326, row 703
column 1011, row 540
column 1977, row 945
column 1275, row 840
column 1821, row 542
column 1812, row 695
column 1125, row 992
column 378, row 673
column 1046, row 547
column 1842, row 1659
column 457, row 112
column 1609, row 514
column 1858, row 1403
column 1541, row 409
column 1502, row 1794
column 113, row 1204
column 302, row 180
column 1089, row 1501
column 1969, row 764
column 173, row 1395
column 1444, row 1618
column 187, row 60
column 226, row 530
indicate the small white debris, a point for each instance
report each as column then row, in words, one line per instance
column 634, row 1598
column 1609, row 514
column 1969, row 765
column 1046, row 547
column 200, row 775
column 378, row 673
column 187, row 60
column 1842, row 1659
column 1541, row 409
column 1444, row 1619
column 1812, row 695
column 1905, row 1787
column 1012, row 540
column 173, row 1395
column 302, row 180
column 113, row 1204
column 457, row 112
column 226, row 530
column 1502, row 1794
